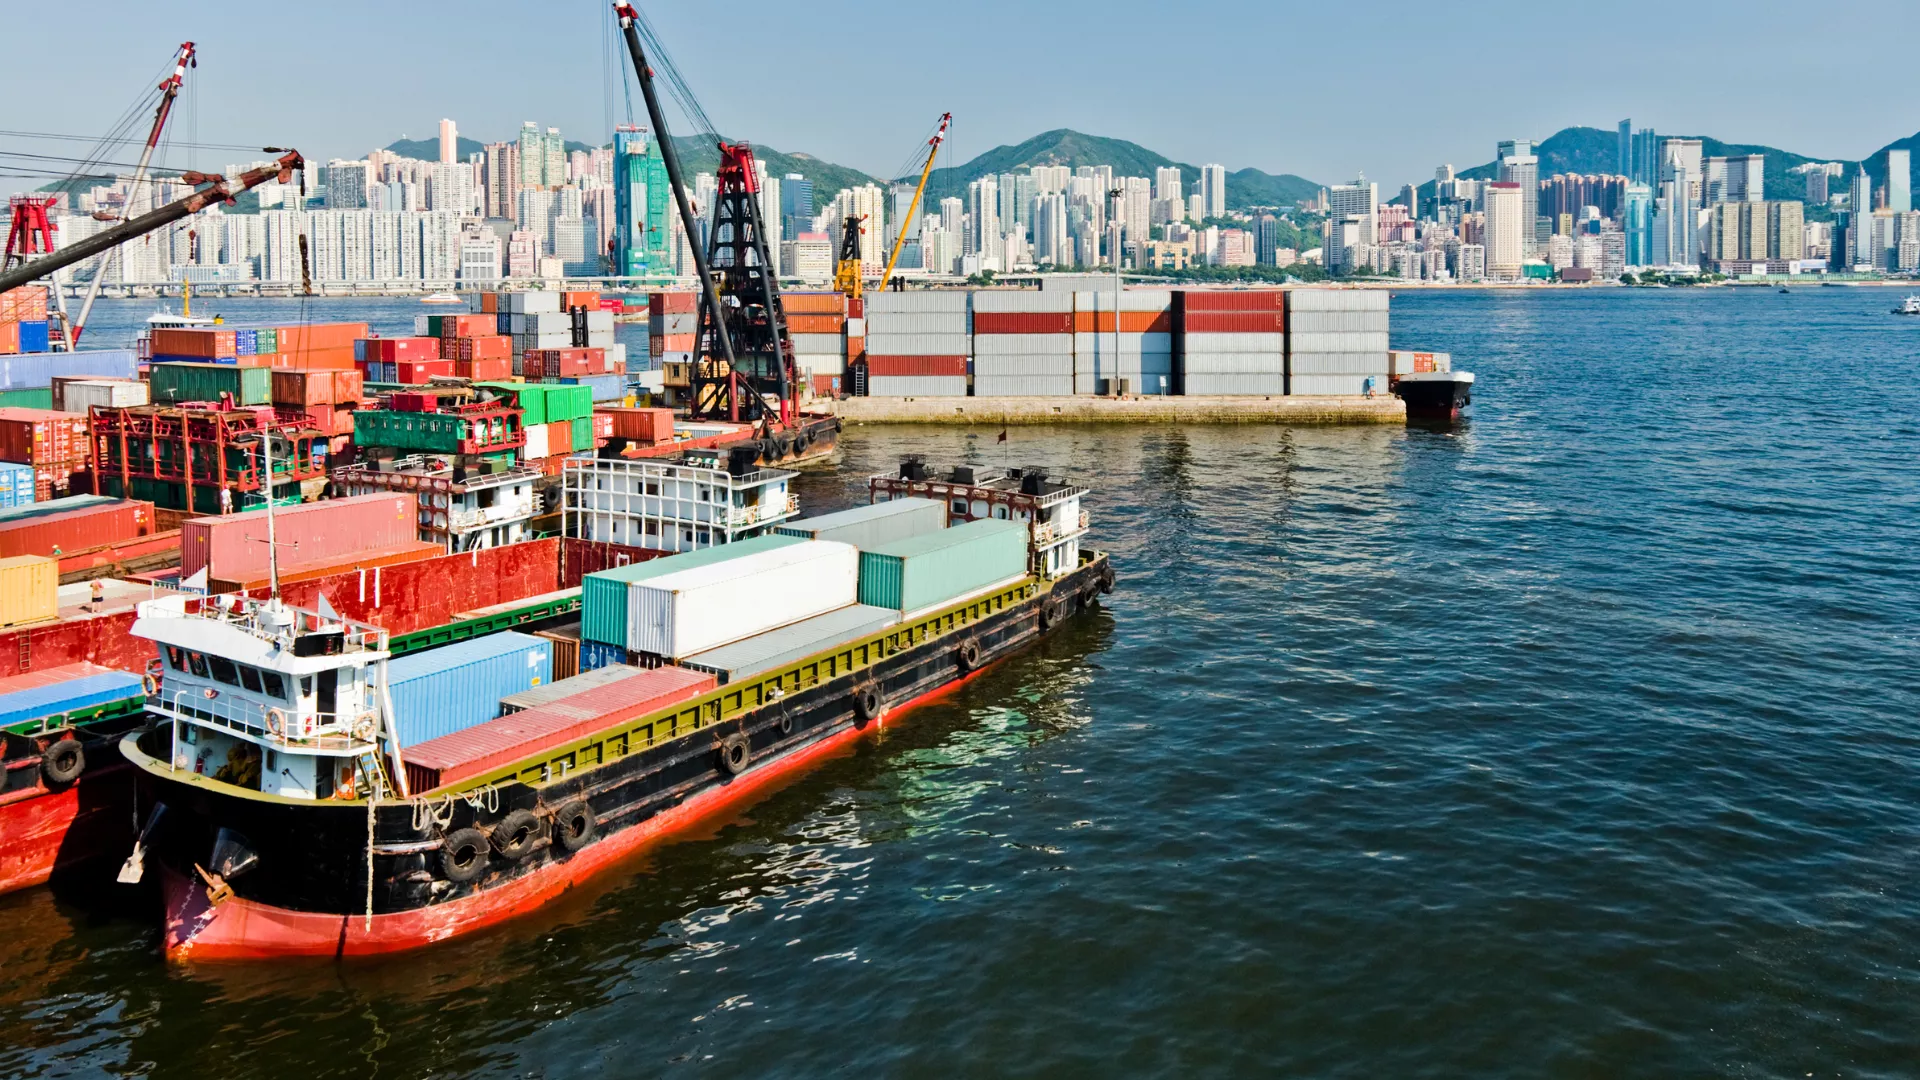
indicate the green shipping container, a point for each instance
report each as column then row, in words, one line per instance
column 41, row 398
column 530, row 398
column 930, row 570
column 266, row 341
column 567, row 402
column 172, row 383
column 603, row 596
column 583, row 433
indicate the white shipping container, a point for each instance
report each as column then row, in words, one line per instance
column 617, row 356
column 600, row 339
column 532, row 303
column 1304, row 300
column 673, row 323
column 1209, row 385
column 947, row 300
column 820, row 364
column 1236, row 364
column 556, row 322
column 1130, row 300
column 420, row 326
column 1022, row 300
column 1313, row 322
column 819, row 344
column 891, row 324
column 1031, row 364
column 985, row 385
column 691, row 611
column 1123, row 381
column 917, row 385
column 1342, row 342
column 1331, row 385
column 1232, row 343
column 856, row 327
column 537, row 446
column 599, row 320
column 1089, row 346
column 82, row 395
column 1023, row 344
column 1354, row 363
column 919, row 345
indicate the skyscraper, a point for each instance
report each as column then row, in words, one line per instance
column 1637, row 223
column 1507, row 238
column 1518, row 165
column 1213, row 185
column 1167, row 183
column 642, row 206
column 1860, row 220
column 1899, row 181
column 796, row 204
column 1625, row 152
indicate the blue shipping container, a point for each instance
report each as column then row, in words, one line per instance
column 246, row 342
column 33, row 336
column 452, row 688
column 81, row 693
column 605, row 387
column 38, row 369
column 16, row 484
column 595, row 655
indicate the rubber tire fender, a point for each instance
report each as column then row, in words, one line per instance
column 1106, row 578
column 1049, row 614
column 474, row 843
column 736, row 752
column 64, row 761
column 866, row 704
column 968, row 656
column 515, row 835
column 574, row 825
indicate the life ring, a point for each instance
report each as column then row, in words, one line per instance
column 866, row 704
column 463, row 855
column 735, row 752
column 518, row 833
column 968, row 655
column 574, row 825
column 64, row 761
column 149, row 685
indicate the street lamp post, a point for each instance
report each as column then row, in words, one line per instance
column 1117, row 194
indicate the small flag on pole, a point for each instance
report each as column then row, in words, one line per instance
column 1003, row 435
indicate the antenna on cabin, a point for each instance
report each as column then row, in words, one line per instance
column 273, row 549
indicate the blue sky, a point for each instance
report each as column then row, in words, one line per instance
column 1319, row 89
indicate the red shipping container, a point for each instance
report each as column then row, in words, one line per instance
column 303, row 388
column 348, row 385
column 234, row 547
column 73, row 524
column 662, row 344
column 564, row 363
column 560, row 438
column 571, row 300
column 491, row 369
column 1235, row 300
column 602, row 427
column 637, row 425
column 815, row 324
column 466, row 326
column 208, row 344
column 487, row 347
column 672, row 303
column 393, row 350
column 417, row 372
column 856, row 349
column 916, row 365
column 497, row 743
column 1235, row 322
column 403, row 402
column 1023, row 322
column 41, row 436
column 1131, row 322
column 824, row 385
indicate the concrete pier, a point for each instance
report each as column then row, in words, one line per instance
column 1003, row 411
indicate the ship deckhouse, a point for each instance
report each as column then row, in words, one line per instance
column 270, row 697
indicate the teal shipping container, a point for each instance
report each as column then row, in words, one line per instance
column 452, row 688
column 934, row 569
column 872, row 526
column 603, row 595
column 16, row 484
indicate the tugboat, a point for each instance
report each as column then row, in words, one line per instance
column 1909, row 306
column 1431, row 389
column 284, row 817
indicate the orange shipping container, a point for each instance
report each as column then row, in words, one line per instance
column 588, row 300
column 799, row 303
column 307, row 339
column 9, row 338
column 638, row 425
column 466, row 326
column 485, row 369
column 1131, row 322
column 486, row 347
column 815, row 324
column 314, row 360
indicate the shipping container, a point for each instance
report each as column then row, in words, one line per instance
column 533, row 303
column 173, row 384
column 38, row 370
column 1017, row 385
column 595, row 655
column 234, row 547
column 560, row 438
column 639, row 425
column 536, row 447
column 665, row 303
column 1023, row 345
column 75, row 523
column 938, row 568
column 1304, row 300
column 440, row 691
column 917, row 386
column 691, row 611
column 41, row 436
column 1367, row 363
column 776, row 649
column 871, row 525
column 1194, row 344
column 1235, row 364
column 1407, row 362
column 948, row 300
column 1243, row 300
column 1206, row 384
column 821, row 344
column 1332, row 385
column 1234, row 322
column 1312, row 322
column 205, row 343
column 29, row 589
column 16, row 485
column 1043, row 364
column 814, row 303
column 52, row 691
column 78, row 395
column 603, row 595
column 1020, row 300
column 996, row 323
column 882, row 365
column 498, row 743
column 562, row 689
column 918, row 325
column 34, row 336
column 394, row 350
column 1340, row 342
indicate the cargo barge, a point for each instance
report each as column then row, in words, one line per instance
column 286, row 816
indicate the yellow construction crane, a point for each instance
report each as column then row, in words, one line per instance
column 846, row 270
column 933, row 150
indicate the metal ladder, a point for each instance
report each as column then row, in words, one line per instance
column 376, row 773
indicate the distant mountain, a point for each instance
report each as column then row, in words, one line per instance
column 1064, row 146
column 698, row 154
column 429, row 149
column 1594, row 150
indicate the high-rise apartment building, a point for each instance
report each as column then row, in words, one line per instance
column 1167, row 183
column 1683, row 154
column 449, row 142
column 1899, row 181
column 1624, row 153
column 502, row 166
column 1360, row 201
column 1518, row 165
column 1734, row 179
column 1213, row 185
column 1051, row 242
column 1860, row 220
column 347, row 183
column 983, row 215
column 1508, row 234
column 1637, row 224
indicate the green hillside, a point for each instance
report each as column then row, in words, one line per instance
column 1064, row 146
column 429, row 149
column 699, row 154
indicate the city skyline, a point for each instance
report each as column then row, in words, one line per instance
column 1244, row 115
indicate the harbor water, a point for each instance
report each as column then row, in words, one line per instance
column 1582, row 740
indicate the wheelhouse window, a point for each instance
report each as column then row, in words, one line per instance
column 176, row 658
column 224, row 670
column 197, row 664
column 250, row 678
column 274, row 684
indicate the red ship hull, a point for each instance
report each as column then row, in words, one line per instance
column 44, row 833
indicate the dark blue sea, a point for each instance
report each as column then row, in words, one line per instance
column 1582, row 740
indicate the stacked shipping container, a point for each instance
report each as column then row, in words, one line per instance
column 1336, row 340
column 53, row 443
column 1023, row 344
column 918, row 344
column 1233, row 343
column 673, row 325
column 1144, row 362
column 818, row 323
column 307, row 347
column 23, row 320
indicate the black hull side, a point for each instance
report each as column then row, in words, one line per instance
column 1435, row 399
